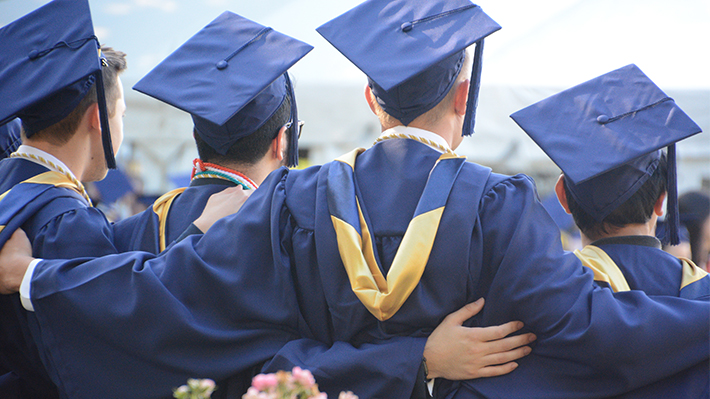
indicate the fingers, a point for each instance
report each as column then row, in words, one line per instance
column 505, row 357
column 237, row 191
column 509, row 343
column 20, row 242
column 494, row 371
column 19, row 236
column 465, row 313
column 494, row 333
column 239, row 194
column 15, row 257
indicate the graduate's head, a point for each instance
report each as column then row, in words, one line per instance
column 414, row 54
column 52, row 70
column 642, row 207
column 445, row 105
column 61, row 132
column 606, row 135
column 250, row 149
column 232, row 78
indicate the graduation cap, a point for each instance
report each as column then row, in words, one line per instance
column 231, row 76
column 412, row 51
column 10, row 137
column 50, row 60
column 606, row 135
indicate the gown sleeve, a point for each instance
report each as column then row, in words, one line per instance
column 80, row 232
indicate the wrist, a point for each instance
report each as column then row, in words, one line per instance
column 429, row 364
column 202, row 225
column 427, row 377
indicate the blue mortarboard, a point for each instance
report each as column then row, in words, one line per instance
column 606, row 135
column 50, row 59
column 10, row 137
column 412, row 50
column 231, row 77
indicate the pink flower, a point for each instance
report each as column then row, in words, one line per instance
column 253, row 393
column 347, row 395
column 304, row 377
column 263, row 382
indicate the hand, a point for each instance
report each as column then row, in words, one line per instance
column 15, row 257
column 221, row 204
column 455, row 352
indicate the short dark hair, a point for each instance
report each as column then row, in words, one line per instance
column 62, row 131
column 636, row 210
column 250, row 149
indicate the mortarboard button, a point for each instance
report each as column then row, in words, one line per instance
column 602, row 119
column 221, row 65
column 34, row 54
column 406, row 27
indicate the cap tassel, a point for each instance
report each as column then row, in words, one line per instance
column 672, row 204
column 103, row 115
column 293, row 148
column 472, row 102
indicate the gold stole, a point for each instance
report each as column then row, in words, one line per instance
column 53, row 178
column 607, row 271
column 161, row 207
column 382, row 296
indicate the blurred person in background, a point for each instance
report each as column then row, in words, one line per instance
column 694, row 210
column 680, row 250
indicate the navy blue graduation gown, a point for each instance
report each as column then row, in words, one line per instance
column 60, row 224
column 141, row 232
column 276, row 265
column 646, row 267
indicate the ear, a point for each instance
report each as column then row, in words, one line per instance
column 561, row 194
column 92, row 118
column 658, row 206
column 461, row 97
column 278, row 144
column 370, row 99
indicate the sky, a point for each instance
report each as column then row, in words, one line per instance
column 545, row 42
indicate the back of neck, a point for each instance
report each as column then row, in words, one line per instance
column 71, row 156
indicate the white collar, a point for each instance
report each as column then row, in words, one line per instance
column 24, row 148
column 421, row 133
